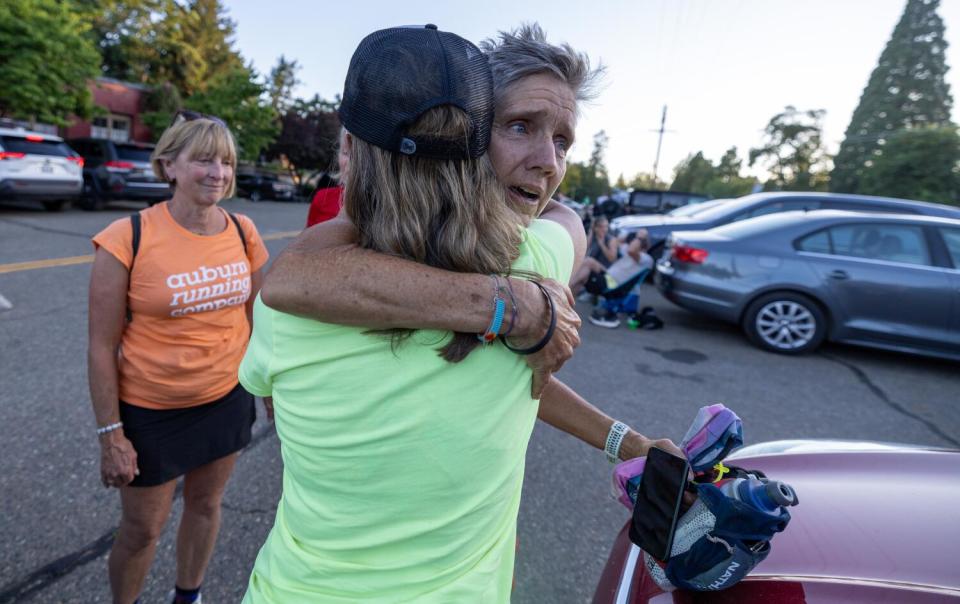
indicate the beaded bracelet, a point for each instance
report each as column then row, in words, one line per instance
column 499, row 306
column 546, row 337
column 109, row 428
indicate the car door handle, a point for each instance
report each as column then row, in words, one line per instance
column 839, row 275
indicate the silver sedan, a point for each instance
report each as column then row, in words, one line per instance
column 794, row 279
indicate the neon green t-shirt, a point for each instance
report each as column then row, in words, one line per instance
column 402, row 472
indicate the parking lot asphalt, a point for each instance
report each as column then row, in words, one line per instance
column 57, row 521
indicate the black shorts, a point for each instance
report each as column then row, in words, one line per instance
column 171, row 442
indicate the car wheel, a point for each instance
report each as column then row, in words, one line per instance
column 53, row 206
column 255, row 196
column 785, row 322
column 91, row 199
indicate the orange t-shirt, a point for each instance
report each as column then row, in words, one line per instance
column 186, row 296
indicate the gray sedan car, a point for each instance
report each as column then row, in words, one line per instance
column 794, row 279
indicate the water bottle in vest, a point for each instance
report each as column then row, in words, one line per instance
column 763, row 495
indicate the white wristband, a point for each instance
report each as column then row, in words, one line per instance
column 110, row 428
column 614, row 439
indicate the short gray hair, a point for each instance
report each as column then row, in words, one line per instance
column 525, row 51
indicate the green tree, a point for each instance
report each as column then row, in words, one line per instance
column 237, row 97
column 194, row 46
column 124, row 32
column 160, row 105
column 920, row 163
column 906, row 89
column 184, row 42
column 793, row 151
column 693, row 174
column 588, row 179
column 280, row 84
column 46, row 62
column 645, row 180
column 308, row 137
column 727, row 181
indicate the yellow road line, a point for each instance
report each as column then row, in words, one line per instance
column 280, row 235
column 52, row 262
column 33, row 264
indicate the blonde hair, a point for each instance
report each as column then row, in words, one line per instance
column 450, row 214
column 199, row 138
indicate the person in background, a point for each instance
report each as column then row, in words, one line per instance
column 328, row 200
column 325, row 205
column 633, row 258
column 171, row 291
column 619, row 284
column 602, row 246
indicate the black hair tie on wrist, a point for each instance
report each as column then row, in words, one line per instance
column 546, row 337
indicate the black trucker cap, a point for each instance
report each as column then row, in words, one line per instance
column 397, row 74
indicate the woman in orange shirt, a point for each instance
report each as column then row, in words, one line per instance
column 169, row 324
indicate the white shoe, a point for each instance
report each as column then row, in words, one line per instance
column 606, row 319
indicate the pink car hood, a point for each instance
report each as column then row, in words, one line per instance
column 869, row 513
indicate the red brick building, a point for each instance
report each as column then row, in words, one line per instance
column 123, row 103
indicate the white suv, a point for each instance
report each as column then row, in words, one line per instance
column 38, row 167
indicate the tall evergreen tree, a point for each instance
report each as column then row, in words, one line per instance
column 907, row 89
column 280, row 84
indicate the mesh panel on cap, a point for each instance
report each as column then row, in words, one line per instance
column 397, row 74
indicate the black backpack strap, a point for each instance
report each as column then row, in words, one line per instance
column 135, row 247
column 236, row 223
column 135, row 225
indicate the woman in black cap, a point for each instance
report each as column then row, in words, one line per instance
column 404, row 450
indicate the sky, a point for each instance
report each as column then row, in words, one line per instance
column 723, row 68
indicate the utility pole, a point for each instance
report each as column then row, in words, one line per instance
column 656, row 161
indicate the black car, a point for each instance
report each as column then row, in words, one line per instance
column 118, row 171
column 646, row 201
column 259, row 186
column 659, row 226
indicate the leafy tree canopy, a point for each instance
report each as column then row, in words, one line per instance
column 280, row 84
column 793, row 151
column 186, row 43
column 697, row 174
column 235, row 96
column 46, row 61
column 308, row 136
column 588, row 179
column 920, row 163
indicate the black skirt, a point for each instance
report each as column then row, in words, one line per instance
column 171, row 442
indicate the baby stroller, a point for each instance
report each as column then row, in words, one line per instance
column 621, row 298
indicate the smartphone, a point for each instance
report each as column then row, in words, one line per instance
column 658, row 504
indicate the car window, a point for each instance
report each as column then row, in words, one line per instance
column 778, row 206
column 133, row 153
column 851, row 206
column 890, row 242
column 92, row 150
column 18, row 144
column 952, row 239
column 817, row 242
column 694, row 208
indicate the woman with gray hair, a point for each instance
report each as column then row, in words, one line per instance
column 538, row 87
column 404, row 450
